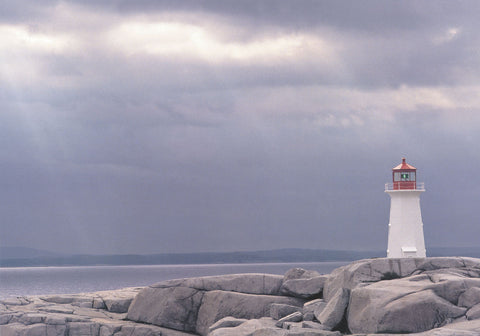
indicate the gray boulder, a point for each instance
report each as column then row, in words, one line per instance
column 313, row 325
column 391, row 307
column 470, row 297
column 334, row 311
column 118, row 305
column 428, row 299
column 17, row 329
column 226, row 322
column 193, row 305
column 310, row 307
column 304, row 288
column 83, row 328
column 263, row 326
column 131, row 329
column 219, row 304
column 117, row 301
column 270, row 332
column 312, row 332
column 38, row 317
column 279, row 310
column 174, row 307
column 299, row 273
column 294, row 317
column 368, row 271
column 9, row 302
column 290, row 325
column 469, row 328
column 436, row 263
column 418, row 312
column 474, row 312
column 262, row 284
column 64, row 299
column 451, row 284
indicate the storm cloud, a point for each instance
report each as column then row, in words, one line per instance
column 188, row 126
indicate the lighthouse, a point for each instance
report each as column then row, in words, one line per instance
column 405, row 229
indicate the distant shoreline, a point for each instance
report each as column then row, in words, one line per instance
column 270, row 256
column 183, row 264
column 254, row 257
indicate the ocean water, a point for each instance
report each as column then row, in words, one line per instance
column 21, row 281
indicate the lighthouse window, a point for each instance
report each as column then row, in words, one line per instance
column 403, row 176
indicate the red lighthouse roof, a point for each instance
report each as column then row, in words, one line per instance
column 404, row 166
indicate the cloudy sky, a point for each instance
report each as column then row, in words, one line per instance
column 188, row 126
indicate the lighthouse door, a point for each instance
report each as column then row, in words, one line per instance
column 409, row 252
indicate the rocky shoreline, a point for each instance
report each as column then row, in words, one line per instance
column 424, row 296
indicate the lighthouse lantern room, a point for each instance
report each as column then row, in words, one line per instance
column 405, row 229
column 404, row 176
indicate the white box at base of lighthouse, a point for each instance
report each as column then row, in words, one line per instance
column 405, row 229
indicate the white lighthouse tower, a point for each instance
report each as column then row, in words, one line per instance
column 405, row 229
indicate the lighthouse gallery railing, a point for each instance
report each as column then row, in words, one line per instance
column 397, row 186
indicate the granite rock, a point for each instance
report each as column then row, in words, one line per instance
column 253, row 283
column 310, row 307
column 368, row 271
column 466, row 328
column 171, row 307
column 470, row 297
column 335, row 309
column 398, row 306
column 280, row 310
column 474, row 312
column 313, row 325
column 304, row 288
column 293, row 317
column 312, row 332
column 226, row 322
column 263, row 326
column 187, row 304
column 66, row 315
column 299, row 273
column 219, row 304
column 117, row 301
column 290, row 325
column 421, row 296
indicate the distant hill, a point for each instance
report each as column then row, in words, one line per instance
column 31, row 257
column 22, row 257
column 15, row 252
